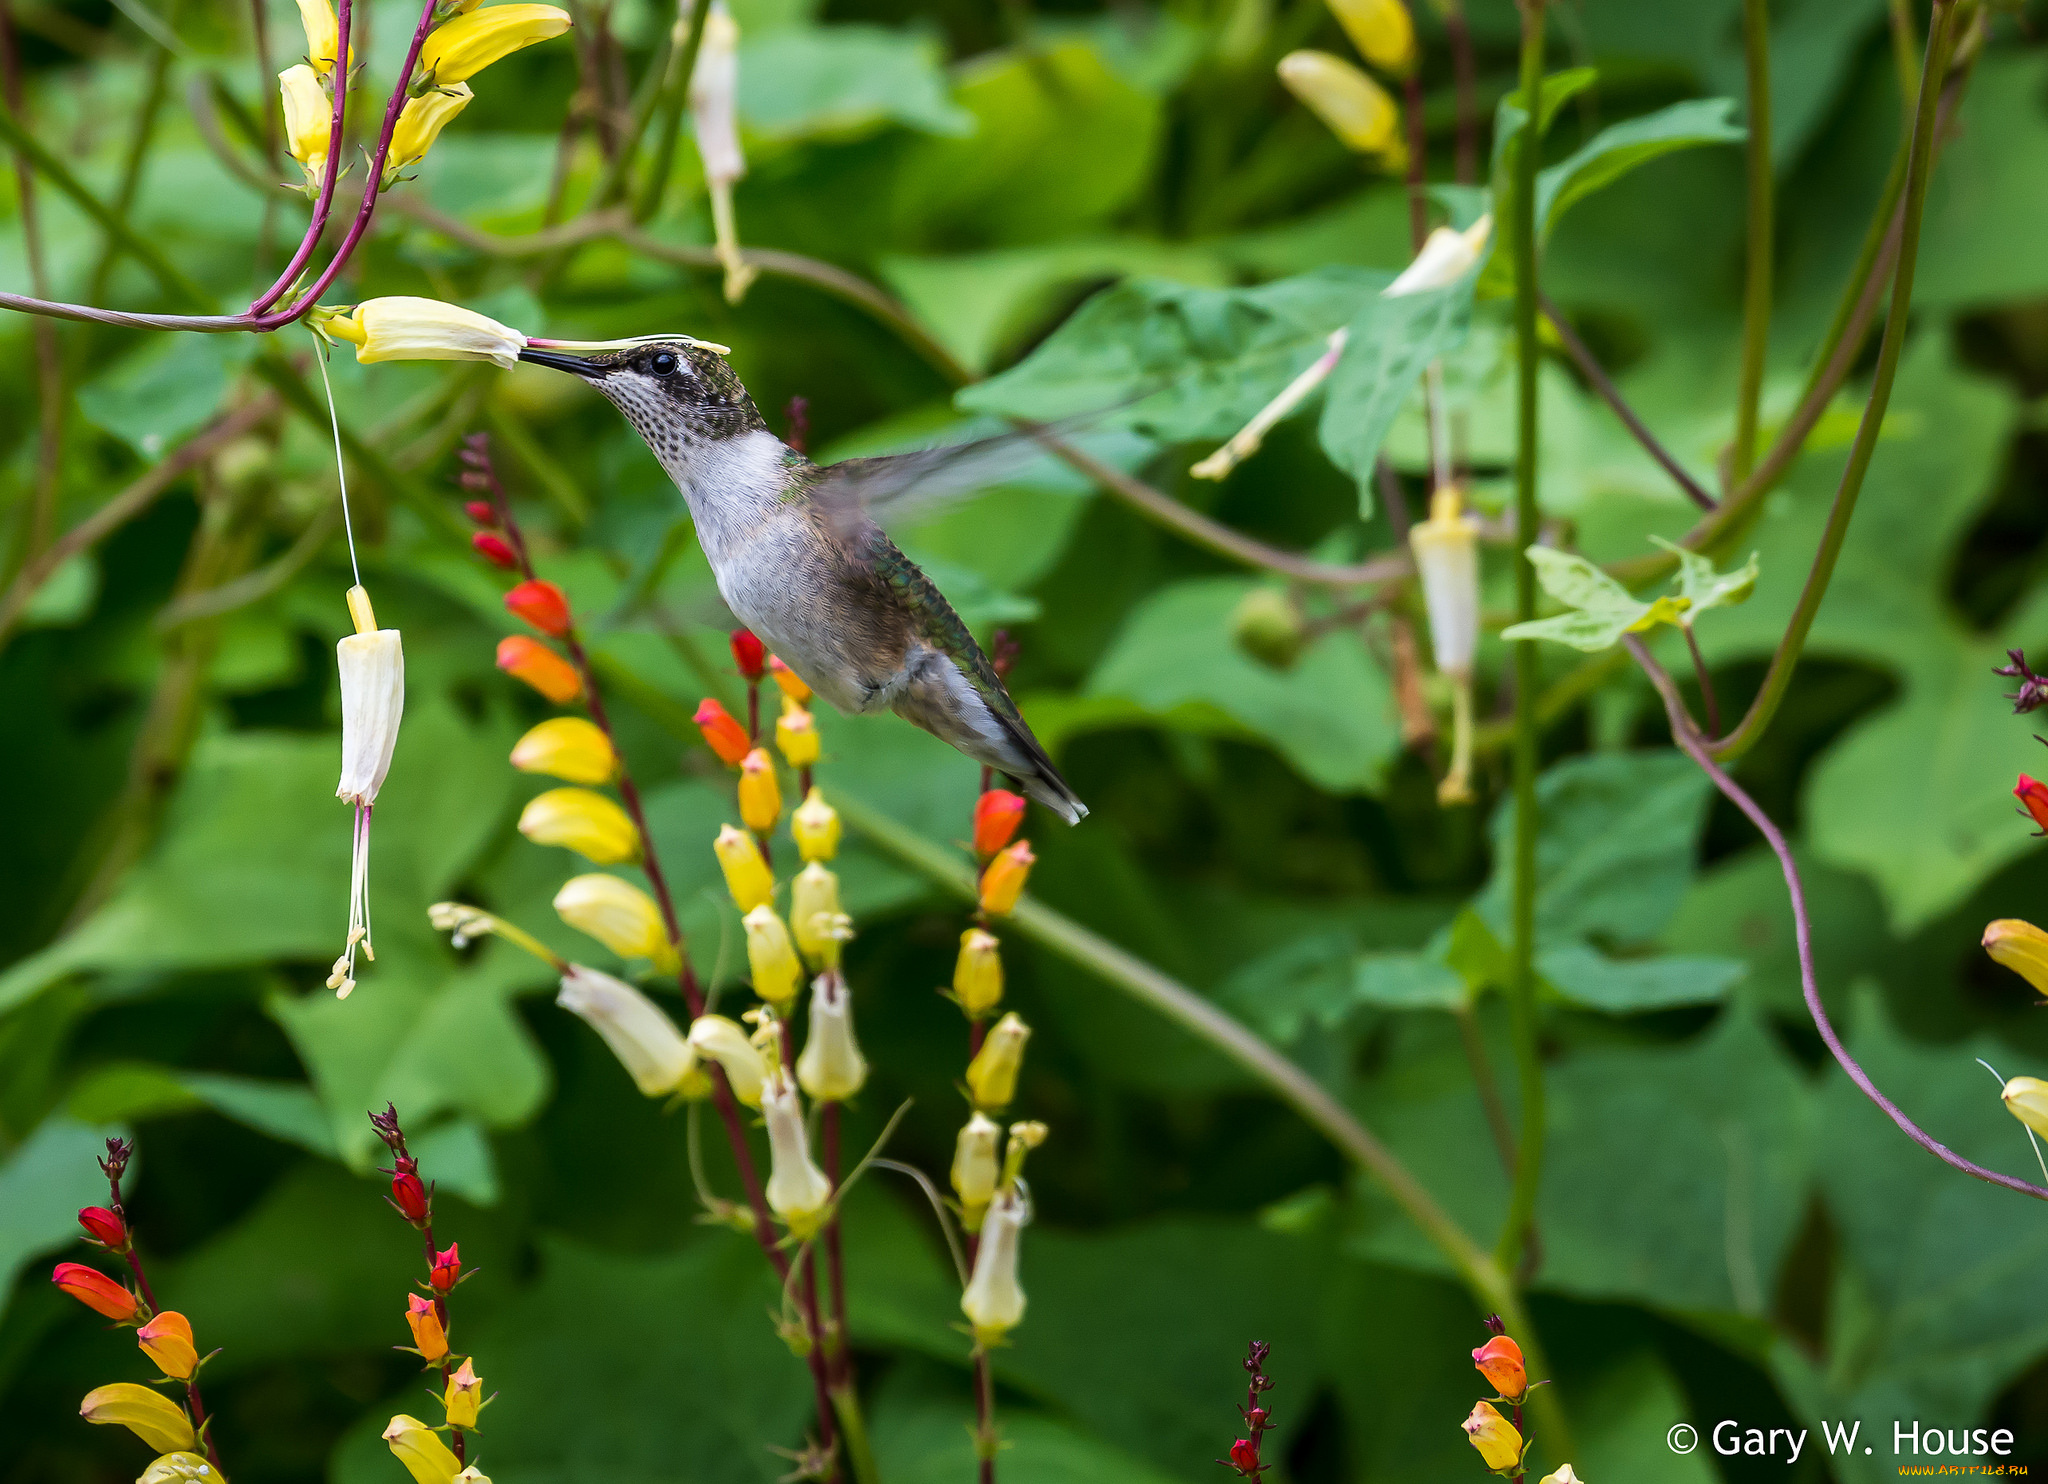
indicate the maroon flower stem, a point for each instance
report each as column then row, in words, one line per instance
column 1521, row 1473
column 1688, row 737
column 332, row 175
column 1418, row 143
column 984, row 1417
column 114, row 1166
column 1466, row 163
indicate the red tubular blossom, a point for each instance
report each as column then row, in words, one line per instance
column 481, row 511
column 997, row 814
column 2033, row 797
column 540, row 667
column 104, row 1227
column 492, row 548
column 96, row 1290
column 541, row 604
column 749, row 653
column 447, row 1269
column 409, row 1195
column 722, row 734
column 1244, row 1457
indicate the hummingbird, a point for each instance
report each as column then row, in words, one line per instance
column 800, row 560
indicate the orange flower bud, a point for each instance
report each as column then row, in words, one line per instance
column 1003, row 882
column 540, row 667
column 167, row 1340
column 428, row 1335
column 541, row 604
column 997, row 814
column 2033, row 795
column 792, row 684
column 722, row 734
column 760, row 796
column 95, row 1290
column 1499, row 1445
column 1500, row 1361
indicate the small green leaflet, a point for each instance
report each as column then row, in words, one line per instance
column 1603, row 610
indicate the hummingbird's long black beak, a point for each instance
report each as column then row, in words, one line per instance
column 560, row 360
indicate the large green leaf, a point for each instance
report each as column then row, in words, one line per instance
column 155, row 397
column 43, row 1182
column 844, row 80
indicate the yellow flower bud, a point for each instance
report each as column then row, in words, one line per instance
column 2026, row 1098
column 722, row 1041
column 746, row 873
column 976, row 1167
column 816, row 828
column 1563, row 1475
column 620, row 916
column 978, row 973
column 150, row 1415
column 1382, row 30
column 420, row 123
column 308, row 120
column 760, row 796
column 179, row 1468
column 992, row 1075
column 640, row 1035
column 771, row 959
column 465, row 46
column 1499, row 1445
column 401, row 327
column 567, row 747
column 994, row 1300
column 588, row 823
column 831, row 1068
column 421, row 1450
column 796, row 734
column 1446, row 550
column 323, row 36
column 797, row 1191
column 814, row 913
column 2021, row 947
column 1351, row 105
column 1003, row 880
column 472, row 1475
column 463, row 1397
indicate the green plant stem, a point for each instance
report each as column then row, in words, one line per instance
column 853, row 1432
column 675, row 97
column 1522, row 988
column 1756, row 293
column 1778, row 678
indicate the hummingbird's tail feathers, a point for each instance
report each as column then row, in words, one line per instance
column 1041, row 780
column 1051, row 790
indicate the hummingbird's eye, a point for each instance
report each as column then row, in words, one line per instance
column 663, row 363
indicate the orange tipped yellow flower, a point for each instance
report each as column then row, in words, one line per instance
column 2026, row 1098
column 722, row 734
column 570, row 748
column 760, row 795
column 796, row 735
column 1003, row 882
column 167, row 1340
column 723, row 1041
column 620, row 916
column 463, row 1397
column 816, row 828
column 976, row 1165
column 814, row 914
column 788, row 681
column 1351, row 105
column 1499, row 1445
column 96, row 1291
column 978, row 973
column 429, row 1336
column 540, row 667
column 419, row 124
column 992, row 1075
column 1500, row 1361
column 323, row 35
column 421, row 1450
column 588, row 823
column 746, row 874
column 1382, row 30
column 465, row 46
column 771, row 959
column 150, row 1415
column 2021, row 947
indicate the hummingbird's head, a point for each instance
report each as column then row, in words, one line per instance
column 678, row 392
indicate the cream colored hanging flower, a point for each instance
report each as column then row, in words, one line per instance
column 372, row 664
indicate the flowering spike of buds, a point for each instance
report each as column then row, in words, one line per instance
column 447, row 1268
column 620, row 916
column 977, row 1164
column 462, row 1398
column 831, row 1068
column 419, row 124
column 167, row 1340
column 992, row 1075
column 1499, row 1445
column 1381, row 30
column 637, row 1030
column 105, row 1228
column 796, row 735
column 2033, row 797
column 771, row 958
column 2019, row 946
column 746, row 874
column 152, row 1417
column 96, row 1291
column 723, row 1041
column 797, row 1191
column 814, row 914
column 749, row 653
column 492, row 548
column 465, row 46
column 994, row 1300
column 588, row 823
column 722, row 734
column 429, row 1336
column 570, row 748
column 760, row 794
column 791, row 684
column 997, row 813
column 1003, row 880
column 541, row 604
column 1351, row 105
column 421, row 1450
column 540, row 667
column 978, row 973
column 1500, row 1361
column 816, row 828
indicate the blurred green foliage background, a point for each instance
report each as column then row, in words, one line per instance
column 1727, row 1228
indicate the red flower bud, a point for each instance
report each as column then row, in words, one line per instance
column 483, row 512
column 722, row 734
column 104, row 1227
column 2033, row 796
column 997, row 814
column 1500, row 1361
column 492, row 548
column 1244, row 1456
column 409, row 1196
column 95, row 1290
column 541, row 604
column 749, row 653
column 447, row 1268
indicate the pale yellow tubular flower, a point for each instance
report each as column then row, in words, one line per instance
column 1382, row 30
column 831, row 1068
column 620, row 916
column 714, row 117
column 465, row 46
column 814, row 913
column 746, row 874
column 771, row 958
column 994, row 1300
column 1351, row 105
column 323, row 35
column 1446, row 548
column 2021, row 947
column 403, row 328
column 150, row 1415
column 371, row 663
column 419, row 124
column 569, row 748
column 976, row 1165
column 797, row 1190
column 639, row 1033
column 978, row 973
column 180, row 1468
column 421, row 1450
column 992, row 1075
column 2026, row 1098
column 308, row 121
column 723, row 1041
column 816, row 828
column 583, row 821
column 1447, row 255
